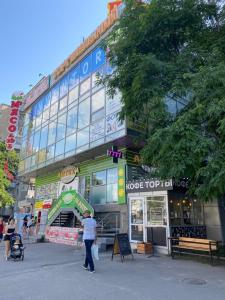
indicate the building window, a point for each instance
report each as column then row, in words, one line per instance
column 83, row 137
column 70, row 143
column 84, row 113
column 61, row 127
column 44, row 137
column 97, row 105
column 55, row 94
column 85, row 86
column 36, row 141
column 73, row 94
column 72, row 120
column 59, row 148
column 104, row 186
column 52, row 132
column 50, row 152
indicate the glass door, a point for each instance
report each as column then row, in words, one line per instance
column 136, row 219
column 157, row 220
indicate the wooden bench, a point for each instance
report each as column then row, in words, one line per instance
column 195, row 246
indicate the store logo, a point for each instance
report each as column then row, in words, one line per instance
column 68, row 174
column 17, row 100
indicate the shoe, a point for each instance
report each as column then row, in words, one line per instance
column 92, row 271
column 85, row 268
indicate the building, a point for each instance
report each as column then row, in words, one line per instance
column 4, row 120
column 83, row 156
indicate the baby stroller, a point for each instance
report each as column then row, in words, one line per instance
column 16, row 247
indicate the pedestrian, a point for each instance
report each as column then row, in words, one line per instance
column 25, row 220
column 10, row 229
column 1, row 228
column 89, row 237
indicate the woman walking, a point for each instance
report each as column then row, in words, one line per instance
column 1, row 228
column 9, row 231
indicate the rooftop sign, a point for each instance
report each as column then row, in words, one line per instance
column 102, row 28
column 36, row 91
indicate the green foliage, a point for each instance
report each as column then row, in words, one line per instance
column 175, row 49
column 12, row 158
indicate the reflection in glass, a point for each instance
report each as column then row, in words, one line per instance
column 112, row 193
column 73, row 77
column 98, row 100
column 84, row 113
column 85, row 86
column 61, row 127
column 59, row 148
column 137, row 232
column 45, row 117
column 73, row 94
column 63, row 89
column 36, row 141
column 50, row 152
column 83, row 137
column 55, row 94
column 137, row 211
column 42, row 156
column 99, row 178
column 63, row 103
column 97, row 130
column 52, row 132
column 98, row 194
column 54, row 109
column 44, row 137
column 70, row 143
column 156, row 211
column 112, row 175
column 72, row 120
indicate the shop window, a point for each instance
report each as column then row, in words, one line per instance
column 99, row 178
column 136, row 208
column 72, row 120
column 112, row 193
column 156, row 211
column 83, row 137
column 98, row 195
column 84, row 113
column 44, row 137
column 85, row 86
column 73, row 95
column 61, row 127
column 59, row 148
column 104, row 185
column 113, row 104
column 70, row 143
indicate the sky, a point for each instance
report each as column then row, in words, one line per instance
column 36, row 36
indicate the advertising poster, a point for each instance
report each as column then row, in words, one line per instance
column 113, row 104
column 64, row 187
column 113, row 124
column 62, row 235
column 97, row 131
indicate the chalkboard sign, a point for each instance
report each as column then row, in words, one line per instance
column 121, row 246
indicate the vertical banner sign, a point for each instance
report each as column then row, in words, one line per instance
column 121, row 185
column 17, row 100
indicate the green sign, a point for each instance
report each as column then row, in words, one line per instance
column 121, row 185
column 70, row 199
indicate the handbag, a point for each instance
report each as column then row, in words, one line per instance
column 94, row 251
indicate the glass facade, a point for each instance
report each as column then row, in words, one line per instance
column 73, row 116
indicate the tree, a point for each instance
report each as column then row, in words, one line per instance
column 12, row 159
column 173, row 51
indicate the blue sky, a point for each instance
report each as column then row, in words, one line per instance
column 37, row 35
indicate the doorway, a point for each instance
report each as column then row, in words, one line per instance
column 149, row 219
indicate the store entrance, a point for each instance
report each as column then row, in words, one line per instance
column 149, row 219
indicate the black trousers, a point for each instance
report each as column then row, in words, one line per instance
column 89, row 260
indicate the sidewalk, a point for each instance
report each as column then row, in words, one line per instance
column 53, row 272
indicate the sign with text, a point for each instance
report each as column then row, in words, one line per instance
column 62, row 235
column 36, row 91
column 147, row 185
column 17, row 101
